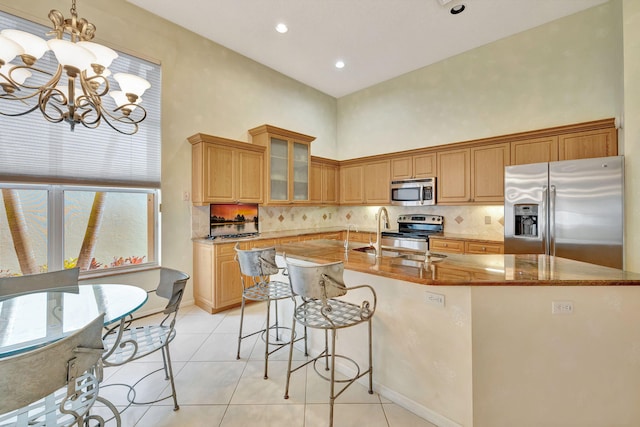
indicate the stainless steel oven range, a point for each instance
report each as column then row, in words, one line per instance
column 414, row 231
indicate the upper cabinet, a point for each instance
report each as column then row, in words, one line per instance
column 472, row 175
column 365, row 183
column 225, row 171
column 287, row 164
column 589, row 144
column 536, row 150
column 416, row 166
column 323, row 185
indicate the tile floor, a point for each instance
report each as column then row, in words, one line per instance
column 215, row 389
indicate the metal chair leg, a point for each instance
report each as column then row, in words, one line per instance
column 241, row 323
column 266, row 341
column 370, row 360
column 173, row 385
column 332, row 396
column 293, row 333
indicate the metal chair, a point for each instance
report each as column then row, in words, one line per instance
column 55, row 385
column 15, row 285
column 317, row 288
column 126, row 342
column 256, row 267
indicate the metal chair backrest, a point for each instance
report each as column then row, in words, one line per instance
column 171, row 287
column 317, row 281
column 28, row 377
column 258, row 262
column 36, row 282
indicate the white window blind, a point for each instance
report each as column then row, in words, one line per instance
column 33, row 149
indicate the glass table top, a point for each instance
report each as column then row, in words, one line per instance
column 35, row 319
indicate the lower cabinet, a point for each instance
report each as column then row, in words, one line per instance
column 460, row 246
column 216, row 276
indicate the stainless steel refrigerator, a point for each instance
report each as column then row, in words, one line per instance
column 571, row 209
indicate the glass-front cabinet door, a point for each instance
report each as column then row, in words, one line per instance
column 288, row 160
column 279, row 169
column 300, row 171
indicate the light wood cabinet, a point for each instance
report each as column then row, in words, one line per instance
column 324, row 181
column 584, row 145
column 537, row 150
column 287, row 164
column 472, row 175
column 225, row 171
column 487, row 172
column 411, row 167
column 462, row 246
column 216, row 276
column 454, row 176
column 377, row 183
column 352, row 184
column 366, row 182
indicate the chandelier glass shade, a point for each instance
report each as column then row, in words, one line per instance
column 74, row 90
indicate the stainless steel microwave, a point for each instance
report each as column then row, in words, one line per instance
column 413, row 192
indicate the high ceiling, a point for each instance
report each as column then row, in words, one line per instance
column 376, row 39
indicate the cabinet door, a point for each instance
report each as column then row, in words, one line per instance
column 227, row 285
column 300, row 170
column 487, row 172
column 424, row 166
column 250, row 171
column 402, row 168
column 454, row 182
column 537, row 150
column 279, row 170
column 330, row 184
column 351, row 184
column 446, row 245
column 315, row 182
column 203, row 276
column 218, row 170
column 377, row 183
column 585, row 145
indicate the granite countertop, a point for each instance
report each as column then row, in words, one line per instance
column 458, row 269
column 277, row 235
column 472, row 237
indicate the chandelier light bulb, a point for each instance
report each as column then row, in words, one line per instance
column 9, row 49
column 19, row 75
column 104, row 55
column 33, row 46
column 131, row 84
column 70, row 54
column 121, row 99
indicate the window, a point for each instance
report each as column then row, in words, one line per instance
column 87, row 196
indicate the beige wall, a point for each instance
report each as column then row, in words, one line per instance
column 567, row 71
column 631, row 129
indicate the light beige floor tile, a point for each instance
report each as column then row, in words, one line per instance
column 182, row 348
column 254, row 389
column 254, row 319
column 208, row 383
column 400, row 417
column 198, row 322
column 264, row 416
column 147, row 389
column 186, row 416
column 281, row 354
column 224, row 347
column 346, row 415
column 128, row 416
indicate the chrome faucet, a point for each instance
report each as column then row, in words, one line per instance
column 346, row 242
column 378, row 246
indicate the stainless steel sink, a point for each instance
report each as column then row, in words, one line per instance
column 370, row 250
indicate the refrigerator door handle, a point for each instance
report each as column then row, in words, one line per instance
column 542, row 227
column 552, row 221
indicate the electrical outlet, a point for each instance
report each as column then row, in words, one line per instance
column 185, row 196
column 561, row 307
column 435, row 299
column 487, row 220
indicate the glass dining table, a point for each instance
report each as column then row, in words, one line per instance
column 35, row 319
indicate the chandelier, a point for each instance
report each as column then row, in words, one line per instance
column 74, row 91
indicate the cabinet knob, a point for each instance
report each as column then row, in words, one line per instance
column 484, row 249
column 446, row 245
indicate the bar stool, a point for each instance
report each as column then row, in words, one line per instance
column 256, row 267
column 316, row 289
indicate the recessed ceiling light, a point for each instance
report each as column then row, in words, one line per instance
column 339, row 64
column 282, row 28
column 459, row 8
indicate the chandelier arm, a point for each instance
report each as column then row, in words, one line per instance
column 131, row 122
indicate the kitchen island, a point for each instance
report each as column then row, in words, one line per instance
column 497, row 340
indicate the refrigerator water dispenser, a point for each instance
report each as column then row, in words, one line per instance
column 526, row 220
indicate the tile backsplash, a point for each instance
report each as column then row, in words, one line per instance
column 482, row 221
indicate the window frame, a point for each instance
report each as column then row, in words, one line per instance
column 56, row 230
